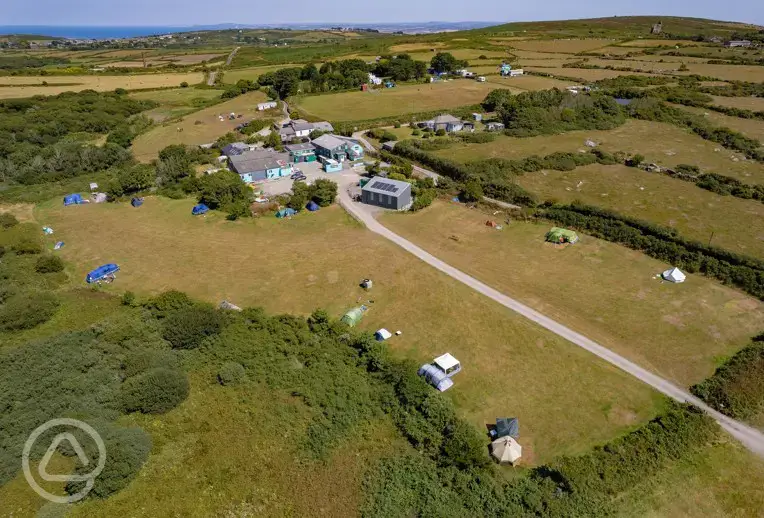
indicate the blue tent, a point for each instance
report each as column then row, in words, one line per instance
column 312, row 206
column 285, row 213
column 72, row 199
column 200, row 209
column 136, row 202
column 101, row 272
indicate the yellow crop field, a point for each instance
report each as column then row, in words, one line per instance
column 100, row 83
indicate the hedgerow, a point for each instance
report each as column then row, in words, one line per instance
column 662, row 243
column 736, row 388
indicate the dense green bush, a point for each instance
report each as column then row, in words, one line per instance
column 130, row 180
column 8, row 220
column 472, row 191
column 49, row 264
column 554, row 111
column 167, row 302
column 33, row 148
column 424, row 198
column 27, row 310
column 440, row 133
column 127, row 450
column 128, row 299
column 27, row 245
column 323, row 192
column 186, row 328
column 155, row 391
column 231, row 373
column 142, row 361
column 737, row 387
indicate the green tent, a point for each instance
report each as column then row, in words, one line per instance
column 561, row 235
column 353, row 316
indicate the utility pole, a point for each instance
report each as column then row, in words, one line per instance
column 710, row 238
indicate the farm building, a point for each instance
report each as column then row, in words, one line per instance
column 337, row 148
column 267, row 106
column 445, row 122
column 299, row 128
column 561, row 235
column 516, row 72
column 389, row 145
column 390, row 194
column 260, row 165
column 301, row 152
column 738, row 43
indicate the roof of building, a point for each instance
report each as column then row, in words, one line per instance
column 329, row 141
column 235, row 148
column 307, row 146
column 260, row 160
column 387, row 186
column 323, row 126
column 446, row 362
column 302, row 126
column 445, row 118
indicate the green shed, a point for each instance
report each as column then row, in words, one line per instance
column 353, row 316
column 561, row 235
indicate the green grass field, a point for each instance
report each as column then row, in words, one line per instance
column 317, row 260
column 252, row 73
column 600, row 289
column 663, row 144
column 177, row 102
column 394, row 101
column 752, row 128
column 199, row 127
column 695, row 212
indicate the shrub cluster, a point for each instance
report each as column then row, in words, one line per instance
column 154, row 391
column 49, row 264
column 737, row 387
column 27, row 310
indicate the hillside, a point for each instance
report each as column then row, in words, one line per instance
column 619, row 26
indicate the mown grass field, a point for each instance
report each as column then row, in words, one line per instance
column 394, row 101
column 750, row 73
column 584, row 74
column 252, row 73
column 695, row 212
column 564, row 46
column 663, row 144
column 209, row 128
column 529, row 82
column 97, row 82
column 317, row 260
column 600, row 289
column 744, row 103
column 752, row 128
column 176, row 102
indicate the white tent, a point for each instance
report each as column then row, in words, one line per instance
column 382, row 335
column 506, row 450
column 674, row 275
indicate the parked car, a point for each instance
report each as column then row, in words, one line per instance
column 298, row 176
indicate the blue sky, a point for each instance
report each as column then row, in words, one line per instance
column 190, row 12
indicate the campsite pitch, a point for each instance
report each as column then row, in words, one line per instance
column 317, row 260
column 600, row 289
column 200, row 127
column 400, row 100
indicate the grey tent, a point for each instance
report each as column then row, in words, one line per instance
column 507, row 426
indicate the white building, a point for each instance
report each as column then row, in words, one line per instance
column 267, row 106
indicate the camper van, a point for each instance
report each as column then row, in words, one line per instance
column 481, row 79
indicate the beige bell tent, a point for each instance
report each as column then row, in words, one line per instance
column 674, row 275
column 506, row 450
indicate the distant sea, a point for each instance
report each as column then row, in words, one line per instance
column 87, row 32
column 90, row 32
